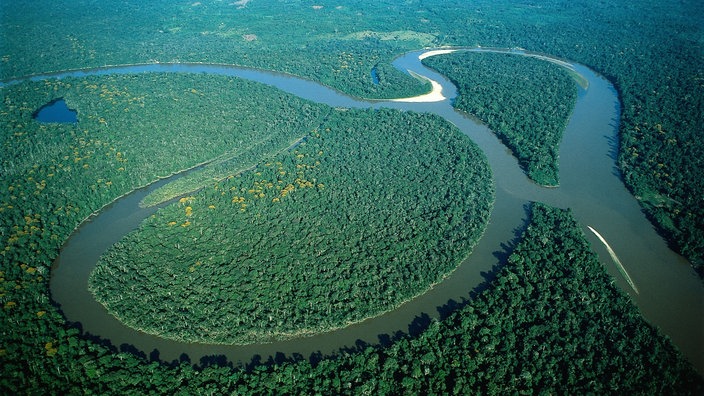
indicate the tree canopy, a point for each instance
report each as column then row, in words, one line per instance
column 526, row 101
column 370, row 210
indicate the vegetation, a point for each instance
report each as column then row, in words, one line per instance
column 326, row 44
column 367, row 213
column 55, row 175
column 339, row 45
column 219, row 169
column 526, row 101
column 111, row 144
column 652, row 52
column 551, row 321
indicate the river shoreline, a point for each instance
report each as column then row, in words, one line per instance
column 668, row 297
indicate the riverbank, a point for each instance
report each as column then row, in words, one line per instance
column 596, row 195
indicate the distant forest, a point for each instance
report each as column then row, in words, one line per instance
column 652, row 53
column 551, row 319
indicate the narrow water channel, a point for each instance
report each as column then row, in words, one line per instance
column 670, row 295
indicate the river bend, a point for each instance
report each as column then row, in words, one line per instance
column 667, row 291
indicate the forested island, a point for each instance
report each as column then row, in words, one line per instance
column 525, row 101
column 551, row 320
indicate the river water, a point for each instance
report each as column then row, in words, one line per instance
column 669, row 294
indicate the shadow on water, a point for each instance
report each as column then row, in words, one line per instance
column 489, row 276
column 129, row 348
column 386, row 340
column 615, row 140
column 214, row 361
column 613, row 146
column 419, row 324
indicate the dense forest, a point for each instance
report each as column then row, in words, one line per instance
column 190, row 120
column 269, row 34
column 526, row 101
column 366, row 213
column 651, row 52
column 551, row 321
column 53, row 176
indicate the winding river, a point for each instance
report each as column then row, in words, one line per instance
column 660, row 282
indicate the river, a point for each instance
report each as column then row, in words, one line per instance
column 667, row 291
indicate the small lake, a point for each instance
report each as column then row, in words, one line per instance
column 375, row 76
column 56, row 111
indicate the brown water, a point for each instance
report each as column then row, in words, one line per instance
column 670, row 295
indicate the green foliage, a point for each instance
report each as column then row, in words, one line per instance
column 652, row 51
column 350, row 223
column 551, row 322
column 224, row 166
column 337, row 45
column 526, row 101
column 132, row 130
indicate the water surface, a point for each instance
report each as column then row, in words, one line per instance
column 671, row 295
column 56, row 111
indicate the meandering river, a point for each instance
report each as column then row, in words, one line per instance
column 662, row 284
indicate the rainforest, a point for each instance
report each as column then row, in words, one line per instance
column 381, row 221
column 425, row 197
column 528, row 105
